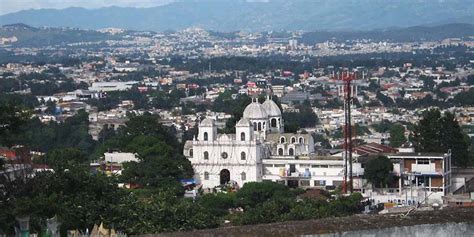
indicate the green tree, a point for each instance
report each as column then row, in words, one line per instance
column 76, row 196
column 159, row 152
column 436, row 133
column 163, row 212
column 50, row 107
column 61, row 159
column 12, row 117
column 253, row 193
column 397, row 135
column 378, row 171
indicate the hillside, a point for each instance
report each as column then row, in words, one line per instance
column 410, row 34
column 34, row 37
column 235, row 15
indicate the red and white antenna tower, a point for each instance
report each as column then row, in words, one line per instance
column 347, row 92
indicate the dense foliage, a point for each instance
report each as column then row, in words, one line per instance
column 441, row 133
column 378, row 171
column 73, row 132
column 397, row 135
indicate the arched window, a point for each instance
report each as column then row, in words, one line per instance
column 191, row 152
column 280, row 151
column 274, row 123
column 282, row 139
column 291, row 152
column 301, row 140
column 205, row 136
column 243, row 156
column 254, row 126
column 206, row 155
column 206, row 175
column 293, row 139
column 242, row 136
column 259, row 126
column 243, row 176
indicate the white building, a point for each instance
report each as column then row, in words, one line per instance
column 258, row 139
column 259, row 150
column 112, row 86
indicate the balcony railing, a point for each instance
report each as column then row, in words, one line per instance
column 301, row 175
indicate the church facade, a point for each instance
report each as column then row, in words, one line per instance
column 260, row 150
column 259, row 138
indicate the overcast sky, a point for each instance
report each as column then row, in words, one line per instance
column 7, row 6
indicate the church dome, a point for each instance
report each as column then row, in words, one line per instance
column 244, row 123
column 271, row 108
column 255, row 111
column 207, row 122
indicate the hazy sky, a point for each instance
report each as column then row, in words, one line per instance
column 7, row 6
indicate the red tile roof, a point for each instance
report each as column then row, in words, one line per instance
column 373, row 148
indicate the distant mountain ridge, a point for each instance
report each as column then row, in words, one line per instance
column 236, row 15
column 31, row 36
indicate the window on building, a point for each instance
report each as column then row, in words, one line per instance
column 320, row 183
column 259, row 126
column 206, row 155
column 301, row 140
column 224, row 155
column 206, row 176
column 243, row 156
column 273, row 123
column 305, row 183
column 279, row 165
column 423, row 161
column 280, row 151
column 205, row 136
column 282, row 140
column 291, row 152
column 243, row 176
column 254, row 126
column 242, row 136
column 191, row 152
column 293, row 140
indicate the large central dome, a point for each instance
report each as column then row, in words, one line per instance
column 271, row 108
column 255, row 111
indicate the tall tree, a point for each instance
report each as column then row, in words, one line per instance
column 12, row 117
column 436, row 133
column 397, row 135
column 159, row 152
column 378, row 171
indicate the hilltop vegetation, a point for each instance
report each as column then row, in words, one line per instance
column 35, row 37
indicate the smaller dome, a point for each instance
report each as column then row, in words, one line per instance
column 244, row 123
column 255, row 111
column 207, row 122
column 271, row 108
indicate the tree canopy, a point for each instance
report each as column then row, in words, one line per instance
column 378, row 171
column 437, row 133
column 397, row 135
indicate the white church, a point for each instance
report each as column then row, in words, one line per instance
column 259, row 151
